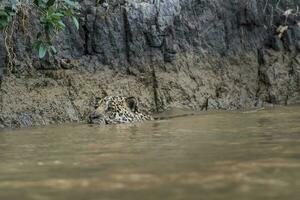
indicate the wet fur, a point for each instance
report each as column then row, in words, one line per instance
column 118, row 109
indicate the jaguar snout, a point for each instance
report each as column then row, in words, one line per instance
column 96, row 115
column 96, row 118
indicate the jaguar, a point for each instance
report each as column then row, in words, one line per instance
column 117, row 110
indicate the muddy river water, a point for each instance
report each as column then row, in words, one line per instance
column 216, row 155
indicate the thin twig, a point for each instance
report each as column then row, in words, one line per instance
column 265, row 8
column 278, row 2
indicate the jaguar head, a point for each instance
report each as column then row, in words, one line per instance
column 115, row 110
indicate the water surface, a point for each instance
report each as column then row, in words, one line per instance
column 223, row 155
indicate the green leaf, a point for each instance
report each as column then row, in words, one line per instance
column 42, row 50
column 76, row 23
column 50, row 3
column 57, row 15
column 53, row 49
column 3, row 13
column 3, row 24
column 70, row 2
column 69, row 12
column 60, row 25
column 10, row 11
column 4, row 19
column 38, row 2
column 36, row 45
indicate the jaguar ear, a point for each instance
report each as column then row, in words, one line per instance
column 97, row 100
column 132, row 104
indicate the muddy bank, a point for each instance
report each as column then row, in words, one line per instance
column 194, row 54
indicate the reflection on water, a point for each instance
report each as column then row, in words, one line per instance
column 233, row 155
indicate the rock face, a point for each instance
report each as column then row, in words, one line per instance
column 198, row 54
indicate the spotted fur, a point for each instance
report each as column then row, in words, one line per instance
column 115, row 110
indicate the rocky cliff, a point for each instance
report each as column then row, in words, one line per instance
column 198, row 54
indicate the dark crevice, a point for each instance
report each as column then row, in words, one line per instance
column 155, row 88
column 86, row 37
column 1, row 97
column 154, row 81
column 127, row 35
column 291, row 77
column 261, row 56
column 205, row 105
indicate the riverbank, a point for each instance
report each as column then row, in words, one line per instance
column 188, row 54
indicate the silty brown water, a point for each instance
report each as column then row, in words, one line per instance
column 222, row 155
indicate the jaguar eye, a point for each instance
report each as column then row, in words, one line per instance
column 96, row 105
column 109, row 109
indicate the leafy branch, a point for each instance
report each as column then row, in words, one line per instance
column 51, row 17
